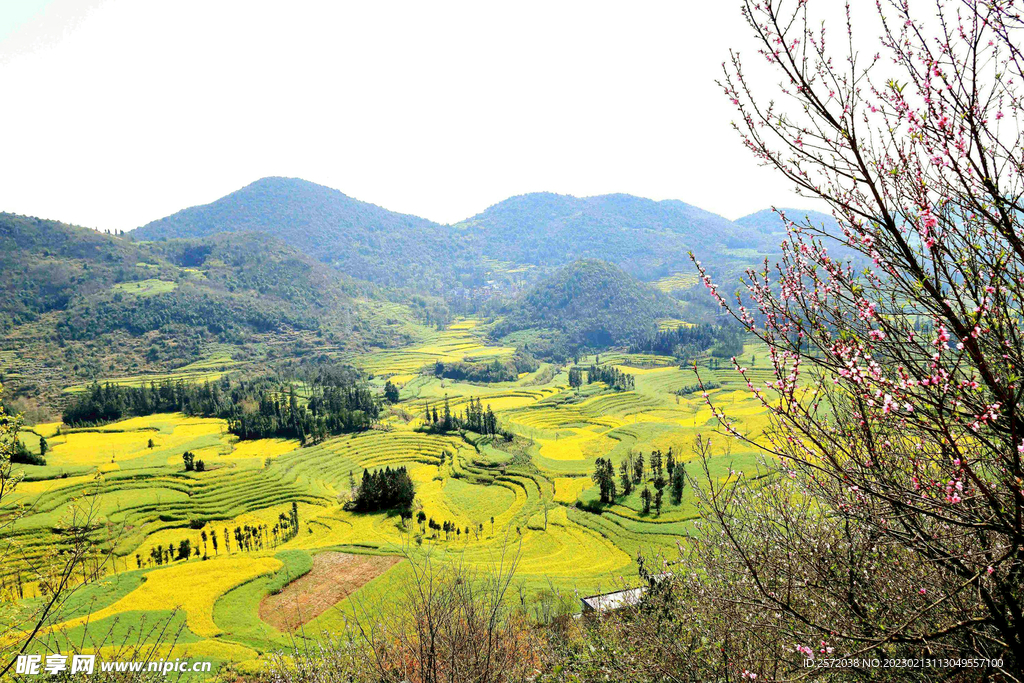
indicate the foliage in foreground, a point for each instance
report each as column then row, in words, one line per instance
column 450, row 625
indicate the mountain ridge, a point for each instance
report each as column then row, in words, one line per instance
column 648, row 238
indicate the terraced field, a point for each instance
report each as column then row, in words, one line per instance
column 676, row 282
column 532, row 495
column 457, row 343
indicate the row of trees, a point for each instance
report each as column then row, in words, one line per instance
column 255, row 409
column 610, row 375
column 687, row 389
column 448, row 528
column 689, row 342
column 246, row 537
column 329, row 411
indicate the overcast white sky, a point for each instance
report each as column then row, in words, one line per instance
column 117, row 112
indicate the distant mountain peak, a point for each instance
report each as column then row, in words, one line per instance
column 649, row 239
column 363, row 240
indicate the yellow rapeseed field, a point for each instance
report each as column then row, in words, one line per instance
column 190, row 586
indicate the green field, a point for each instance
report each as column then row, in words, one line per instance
column 532, row 496
column 150, row 287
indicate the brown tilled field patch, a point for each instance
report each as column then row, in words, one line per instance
column 333, row 577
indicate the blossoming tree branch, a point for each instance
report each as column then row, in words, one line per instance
column 891, row 519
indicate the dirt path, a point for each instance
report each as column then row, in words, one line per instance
column 333, row 577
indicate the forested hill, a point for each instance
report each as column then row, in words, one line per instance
column 770, row 226
column 76, row 302
column 589, row 303
column 51, row 266
column 648, row 239
column 769, row 223
column 361, row 239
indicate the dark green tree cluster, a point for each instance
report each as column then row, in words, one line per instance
column 334, row 407
column 664, row 472
column 677, row 478
column 604, row 477
column 475, row 418
column 496, row 371
column 161, row 554
column 391, row 394
column 626, row 477
column 658, row 479
column 249, row 537
column 21, row 455
column 287, row 526
column 575, row 377
column 191, row 464
column 610, row 375
column 101, row 403
column 688, row 342
column 691, row 388
column 331, row 410
column 387, row 489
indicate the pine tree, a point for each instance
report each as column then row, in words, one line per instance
column 604, row 477
column 625, row 478
column 678, row 483
column 656, row 470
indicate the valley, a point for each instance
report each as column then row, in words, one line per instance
column 532, row 497
column 229, row 531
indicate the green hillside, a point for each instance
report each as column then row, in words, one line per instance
column 360, row 239
column 78, row 303
column 590, row 303
column 768, row 222
column 769, row 225
column 647, row 239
